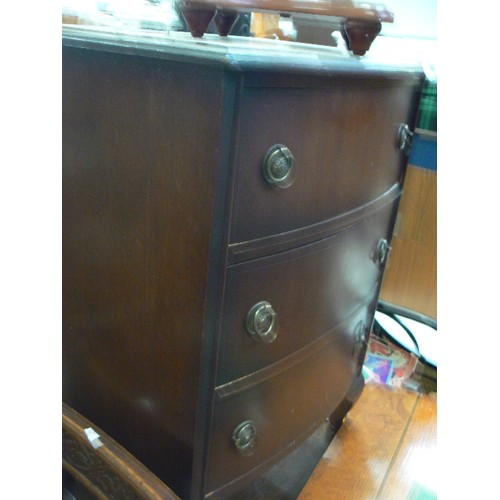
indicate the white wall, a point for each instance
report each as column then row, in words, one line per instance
column 412, row 18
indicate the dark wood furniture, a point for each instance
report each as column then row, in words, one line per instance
column 227, row 211
column 360, row 22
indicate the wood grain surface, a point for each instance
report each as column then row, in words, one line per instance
column 153, row 177
column 138, row 193
column 362, row 121
column 410, row 278
column 413, row 473
column 387, row 432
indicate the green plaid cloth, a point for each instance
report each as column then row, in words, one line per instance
column 427, row 113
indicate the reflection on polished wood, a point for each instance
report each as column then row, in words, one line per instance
column 385, row 449
column 413, row 473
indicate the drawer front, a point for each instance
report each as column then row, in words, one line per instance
column 344, row 144
column 310, row 289
column 284, row 408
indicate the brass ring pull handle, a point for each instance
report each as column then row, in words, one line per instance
column 382, row 251
column 360, row 336
column 245, row 437
column 278, row 166
column 405, row 138
column 262, row 322
column 360, row 332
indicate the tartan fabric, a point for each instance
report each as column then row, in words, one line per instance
column 427, row 115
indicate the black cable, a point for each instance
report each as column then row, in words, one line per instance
column 386, row 307
column 392, row 311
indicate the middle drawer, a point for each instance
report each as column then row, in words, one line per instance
column 276, row 305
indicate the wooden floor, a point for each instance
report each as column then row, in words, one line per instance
column 386, row 449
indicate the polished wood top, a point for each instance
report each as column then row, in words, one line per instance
column 387, row 448
column 241, row 54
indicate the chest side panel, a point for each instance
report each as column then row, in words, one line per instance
column 140, row 147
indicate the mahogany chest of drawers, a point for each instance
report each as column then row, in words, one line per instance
column 227, row 213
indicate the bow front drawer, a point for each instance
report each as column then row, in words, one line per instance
column 307, row 155
column 260, row 417
column 278, row 304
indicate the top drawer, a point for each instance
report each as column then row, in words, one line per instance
column 344, row 144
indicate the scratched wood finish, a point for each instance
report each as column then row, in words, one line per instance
column 386, row 443
column 410, row 278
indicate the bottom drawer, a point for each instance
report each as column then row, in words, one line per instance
column 260, row 417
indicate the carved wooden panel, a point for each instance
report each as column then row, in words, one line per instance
column 106, row 470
